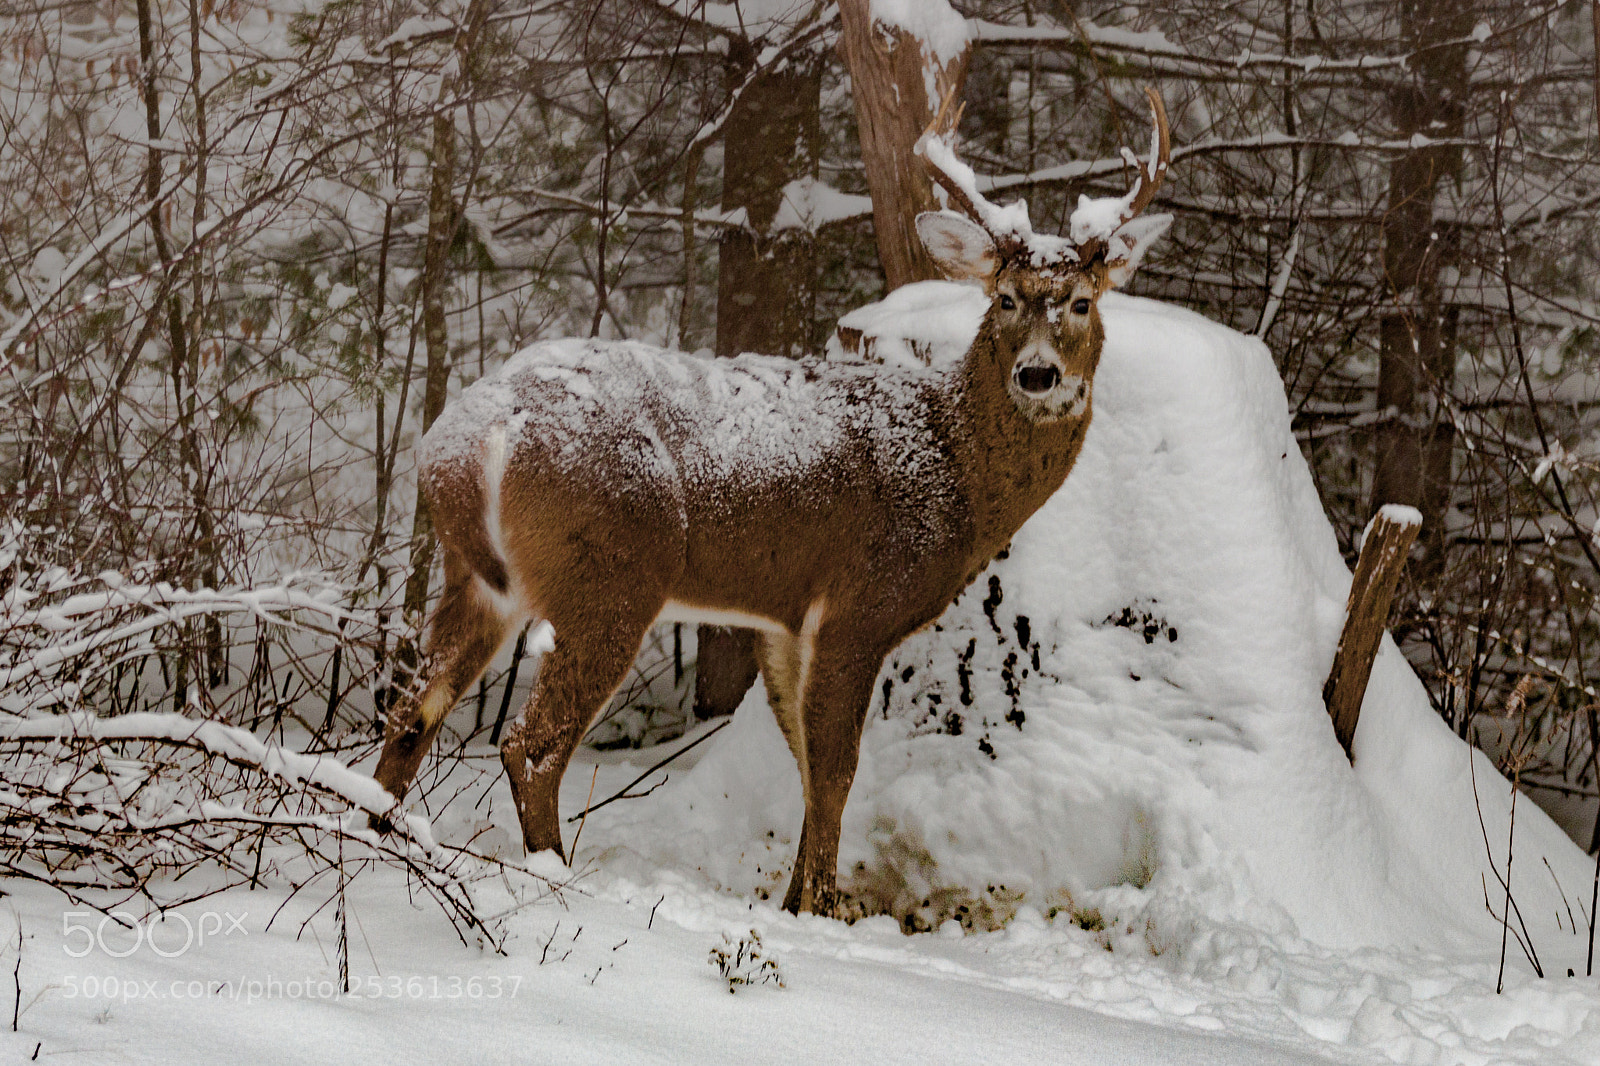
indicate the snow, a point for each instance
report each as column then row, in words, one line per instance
column 1105, row 782
column 1152, row 41
column 927, row 324
column 754, row 19
column 23, row 664
column 229, row 742
column 625, row 982
column 941, row 30
column 1098, row 218
column 809, row 205
column 1012, row 219
column 411, row 29
column 1400, row 514
column 1101, row 218
column 1191, row 506
column 49, row 264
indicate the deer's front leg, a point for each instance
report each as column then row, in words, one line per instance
column 833, row 710
column 465, row 634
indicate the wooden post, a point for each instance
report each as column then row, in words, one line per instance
column 1384, row 546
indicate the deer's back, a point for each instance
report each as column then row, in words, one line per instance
column 761, row 477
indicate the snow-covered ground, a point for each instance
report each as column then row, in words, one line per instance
column 626, row 979
column 1104, row 784
column 616, row 988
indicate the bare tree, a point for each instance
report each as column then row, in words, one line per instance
column 445, row 217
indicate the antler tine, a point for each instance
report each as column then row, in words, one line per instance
column 963, row 196
column 948, row 118
column 943, row 127
column 1145, row 186
column 958, row 196
column 1151, row 175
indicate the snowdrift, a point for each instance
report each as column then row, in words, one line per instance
column 1121, row 720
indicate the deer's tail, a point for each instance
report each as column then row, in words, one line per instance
column 465, row 498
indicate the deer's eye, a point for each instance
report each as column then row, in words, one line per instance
column 1007, row 303
column 1080, row 306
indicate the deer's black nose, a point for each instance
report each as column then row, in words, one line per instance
column 1038, row 378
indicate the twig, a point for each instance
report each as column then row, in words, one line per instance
column 624, row 793
column 344, row 925
column 1505, row 915
column 1594, row 899
column 511, row 683
column 1594, row 731
column 1523, row 940
column 16, row 981
column 1570, row 919
column 585, row 820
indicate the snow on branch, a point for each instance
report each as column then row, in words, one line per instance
column 42, row 641
column 745, row 22
column 714, row 219
column 238, row 746
column 1161, row 55
column 814, row 34
column 123, row 225
column 1082, row 170
column 107, row 809
column 942, row 32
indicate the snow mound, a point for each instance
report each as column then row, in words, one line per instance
column 1121, row 720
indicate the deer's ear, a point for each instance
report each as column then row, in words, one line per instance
column 961, row 248
column 1128, row 245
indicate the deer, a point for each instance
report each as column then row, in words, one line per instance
column 601, row 487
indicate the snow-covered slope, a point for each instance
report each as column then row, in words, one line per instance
column 1122, row 720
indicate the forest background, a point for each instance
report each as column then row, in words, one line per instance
column 249, row 250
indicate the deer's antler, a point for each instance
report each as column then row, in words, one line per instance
column 1148, row 180
column 937, row 149
column 1151, row 174
column 1009, row 226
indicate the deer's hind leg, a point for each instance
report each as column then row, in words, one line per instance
column 466, row 631
column 593, row 650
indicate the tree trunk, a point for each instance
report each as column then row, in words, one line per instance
column 443, row 223
column 764, row 282
column 1416, row 336
column 198, row 557
column 759, row 302
column 887, row 80
column 765, row 286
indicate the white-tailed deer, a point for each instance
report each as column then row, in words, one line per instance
column 835, row 508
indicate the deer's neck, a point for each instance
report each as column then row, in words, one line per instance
column 1013, row 463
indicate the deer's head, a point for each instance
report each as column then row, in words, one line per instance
column 1043, row 325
